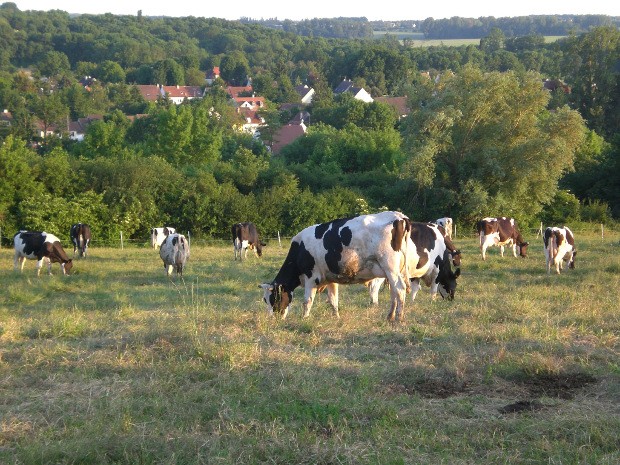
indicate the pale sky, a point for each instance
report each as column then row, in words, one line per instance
column 296, row 10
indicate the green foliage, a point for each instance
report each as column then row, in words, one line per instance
column 563, row 209
column 491, row 131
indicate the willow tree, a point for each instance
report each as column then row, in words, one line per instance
column 481, row 144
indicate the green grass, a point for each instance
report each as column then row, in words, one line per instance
column 119, row 364
column 416, row 39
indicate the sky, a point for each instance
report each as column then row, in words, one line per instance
column 295, row 10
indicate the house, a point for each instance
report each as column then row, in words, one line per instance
column 252, row 121
column 358, row 92
column 398, row 103
column 179, row 94
column 77, row 129
column 236, row 91
column 150, row 92
column 212, row 75
column 176, row 94
column 286, row 135
column 305, row 93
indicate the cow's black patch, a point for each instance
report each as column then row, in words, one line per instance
column 334, row 242
column 320, row 230
column 175, row 240
column 305, row 261
column 33, row 243
column 317, row 281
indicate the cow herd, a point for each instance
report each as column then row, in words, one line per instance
column 375, row 249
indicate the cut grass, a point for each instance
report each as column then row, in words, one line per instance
column 119, row 364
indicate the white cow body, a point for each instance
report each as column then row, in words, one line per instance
column 559, row 247
column 42, row 247
column 344, row 251
column 428, row 260
column 174, row 252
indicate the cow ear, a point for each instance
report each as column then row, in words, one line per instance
column 263, row 244
column 266, row 287
column 457, row 272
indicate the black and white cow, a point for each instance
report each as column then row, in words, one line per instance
column 40, row 246
column 501, row 232
column 245, row 236
column 447, row 225
column 430, row 260
column 344, row 251
column 158, row 235
column 80, row 236
column 559, row 247
column 174, row 252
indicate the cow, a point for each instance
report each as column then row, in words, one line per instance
column 447, row 225
column 40, row 246
column 343, row 251
column 80, row 236
column 559, row 247
column 245, row 236
column 429, row 259
column 174, row 252
column 501, row 232
column 158, row 235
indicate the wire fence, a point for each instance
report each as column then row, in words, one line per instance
column 283, row 241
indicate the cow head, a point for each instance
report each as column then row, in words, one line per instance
column 259, row 248
column 571, row 263
column 523, row 249
column 66, row 267
column 446, row 281
column 456, row 257
column 276, row 298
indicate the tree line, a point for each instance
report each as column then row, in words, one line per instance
column 483, row 136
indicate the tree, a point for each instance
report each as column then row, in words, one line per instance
column 54, row 63
column 110, row 71
column 487, row 145
column 51, row 111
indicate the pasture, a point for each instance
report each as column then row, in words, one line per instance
column 416, row 39
column 120, row 364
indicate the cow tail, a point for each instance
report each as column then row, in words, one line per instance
column 406, row 236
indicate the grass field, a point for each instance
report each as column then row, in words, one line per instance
column 416, row 39
column 118, row 364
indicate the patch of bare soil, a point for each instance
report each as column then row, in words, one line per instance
column 411, row 382
column 522, row 406
column 561, row 385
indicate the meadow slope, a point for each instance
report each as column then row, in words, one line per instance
column 119, row 364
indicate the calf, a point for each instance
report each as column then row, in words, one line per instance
column 80, row 236
column 344, row 251
column 559, row 247
column 159, row 235
column 429, row 259
column 174, row 252
column 36, row 245
column 446, row 224
column 500, row 232
column 245, row 236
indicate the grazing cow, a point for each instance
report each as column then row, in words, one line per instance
column 343, row 251
column 245, row 236
column 429, row 259
column 174, row 252
column 158, row 235
column 36, row 245
column 446, row 224
column 501, row 232
column 80, row 236
column 559, row 247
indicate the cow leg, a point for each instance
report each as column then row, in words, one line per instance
column 309, row 293
column 398, row 292
column 374, row 286
column 514, row 250
column 415, row 287
column 332, row 298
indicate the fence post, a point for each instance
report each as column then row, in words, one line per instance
column 279, row 242
column 122, row 241
column 602, row 232
column 189, row 240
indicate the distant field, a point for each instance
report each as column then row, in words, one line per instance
column 416, row 39
column 118, row 364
